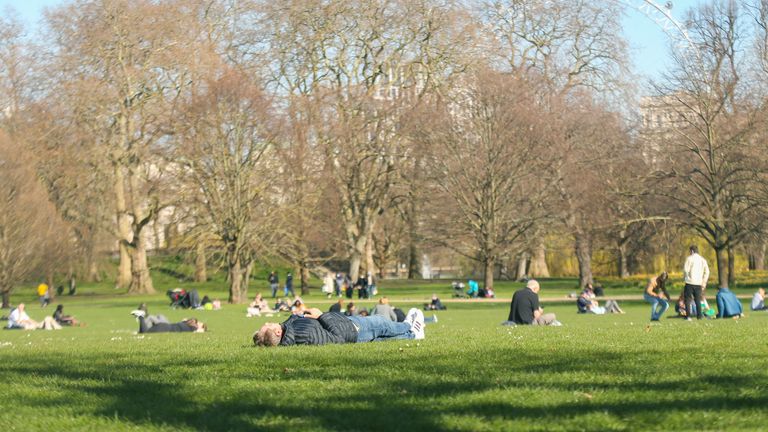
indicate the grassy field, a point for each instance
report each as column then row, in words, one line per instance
column 613, row 372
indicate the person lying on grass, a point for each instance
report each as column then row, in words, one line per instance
column 187, row 325
column 318, row 328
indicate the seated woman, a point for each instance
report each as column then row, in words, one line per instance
column 758, row 300
column 383, row 308
column 727, row 304
column 298, row 307
column 65, row 320
column 351, row 309
column 187, row 325
column 586, row 303
column 282, row 306
column 19, row 320
column 257, row 307
column 680, row 306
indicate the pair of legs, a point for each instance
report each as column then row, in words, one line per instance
column 611, row 306
column 545, row 319
column 693, row 294
column 273, row 287
column 378, row 327
column 658, row 306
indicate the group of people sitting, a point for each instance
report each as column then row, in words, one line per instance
column 474, row 290
column 587, row 303
column 20, row 320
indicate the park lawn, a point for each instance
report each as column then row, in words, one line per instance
column 613, row 372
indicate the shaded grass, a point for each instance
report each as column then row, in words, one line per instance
column 611, row 372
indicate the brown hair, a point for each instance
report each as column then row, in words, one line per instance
column 266, row 336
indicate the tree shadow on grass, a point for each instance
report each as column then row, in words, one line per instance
column 377, row 401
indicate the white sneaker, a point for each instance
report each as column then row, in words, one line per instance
column 556, row 323
column 434, row 318
column 138, row 313
column 415, row 318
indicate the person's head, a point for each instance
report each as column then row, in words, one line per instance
column 268, row 335
column 533, row 285
column 383, row 300
column 434, row 296
column 258, row 296
column 21, row 307
column 364, row 312
column 661, row 280
column 341, row 302
column 693, row 249
column 761, row 291
column 589, row 286
column 351, row 306
column 59, row 308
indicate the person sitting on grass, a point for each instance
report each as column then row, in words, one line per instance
column 728, row 306
column 282, row 306
column 64, row 320
column 525, row 307
column 656, row 294
column 758, row 300
column 258, row 306
column 351, row 309
column 587, row 303
column 318, row 328
column 435, row 304
column 186, row 325
column 680, row 306
column 474, row 289
column 19, row 320
column 298, row 307
column 384, row 309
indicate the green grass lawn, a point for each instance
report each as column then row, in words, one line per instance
column 612, row 372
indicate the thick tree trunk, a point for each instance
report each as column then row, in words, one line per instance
column 490, row 267
column 522, row 266
column 141, row 282
column 722, row 266
column 584, row 257
column 246, row 281
column 6, row 298
column 355, row 260
column 369, row 264
column 760, row 256
column 731, row 267
column 124, row 231
column 538, row 267
column 304, row 276
column 201, row 264
column 414, row 261
column 235, row 280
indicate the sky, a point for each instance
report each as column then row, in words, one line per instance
column 648, row 43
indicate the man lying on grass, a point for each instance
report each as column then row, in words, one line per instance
column 318, row 328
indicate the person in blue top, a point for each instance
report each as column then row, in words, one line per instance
column 474, row 288
column 727, row 304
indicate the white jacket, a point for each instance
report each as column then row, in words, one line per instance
column 696, row 270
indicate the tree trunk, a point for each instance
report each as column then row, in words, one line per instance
column 722, row 266
column 538, row 267
column 304, row 275
column 623, row 267
column 246, row 281
column 201, row 271
column 414, row 263
column 124, row 231
column 731, row 267
column 141, row 282
column 93, row 272
column 490, row 267
column 6, row 298
column 354, row 265
column 760, row 256
column 369, row 264
column 522, row 266
column 235, row 279
column 584, row 257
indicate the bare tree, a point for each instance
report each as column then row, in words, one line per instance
column 226, row 139
column 484, row 149
column 711, row 172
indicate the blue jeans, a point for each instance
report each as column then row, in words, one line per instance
column 658, row 306
column 379, row 327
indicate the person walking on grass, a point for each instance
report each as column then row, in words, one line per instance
column 274, row 283
column 525, row 307
column 288, row 289
column 696, row 275
column 656, row 294
column 318, row 328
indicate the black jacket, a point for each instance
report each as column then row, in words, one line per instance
column 330, row 327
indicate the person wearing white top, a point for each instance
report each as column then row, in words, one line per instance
column 696, row 274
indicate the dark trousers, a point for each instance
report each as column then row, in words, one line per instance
column 163, row 327
column 693, row 293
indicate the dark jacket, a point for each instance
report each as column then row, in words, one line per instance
column 330, row 327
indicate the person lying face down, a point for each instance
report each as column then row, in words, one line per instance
column 318, row 328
